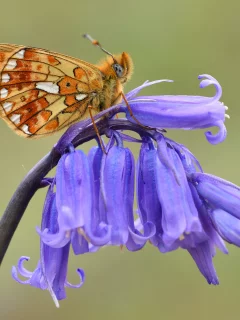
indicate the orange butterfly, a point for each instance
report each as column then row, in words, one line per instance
column 42, row 91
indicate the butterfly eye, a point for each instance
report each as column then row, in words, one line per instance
column 118, row 69
column 68, row 84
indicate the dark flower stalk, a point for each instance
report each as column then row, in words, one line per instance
column 178, row 205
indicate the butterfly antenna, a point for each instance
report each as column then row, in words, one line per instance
column 96, row 43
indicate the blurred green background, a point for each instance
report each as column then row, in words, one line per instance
column 175, row 39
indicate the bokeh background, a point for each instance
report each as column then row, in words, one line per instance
column 175, row 39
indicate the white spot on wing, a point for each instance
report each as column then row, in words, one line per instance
column 15, row 118
column 11, row 64
column 20, row 54
column 3, row 93
column 24, row 127
column 5, row 77
column 49, row 87
column 7, row 106
column 81, row 96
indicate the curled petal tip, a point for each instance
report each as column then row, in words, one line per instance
column 147, row 83
column 201, row 76
column 205, row 83
column 226, row 108
column 227, row 116
column 207, row 76
column 218, row 137
column 81, row 274
column 209, row 80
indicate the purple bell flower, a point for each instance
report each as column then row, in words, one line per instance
column 51, row 271
column 181, row 112
column 222, row 200
column 168, row 198
column 220, row 193
column 75, row 205
column 149, row 206
column 118, row 171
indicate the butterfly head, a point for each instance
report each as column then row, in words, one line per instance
column 119, row 67
column 123, row 66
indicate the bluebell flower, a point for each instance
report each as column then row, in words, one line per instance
column 74, row 202
column 168, row 198
column 178, row 205
column 51, row 271
column 222, row 200
column 181, row 112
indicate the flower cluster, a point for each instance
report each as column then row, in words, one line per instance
column 178, row 205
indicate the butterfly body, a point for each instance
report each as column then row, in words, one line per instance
column 42, row 92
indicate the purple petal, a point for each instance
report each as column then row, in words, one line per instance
column 148, row 203
column 219, row 193
column 203, row 258
column 15, row 275
column 170, row 197
column 227, row 226
column 79, row 244
column 50, row 233
column 211, row 81
column 130, row 95
column 219, row 136
column 21, row 269
column 82, row 280
column 191, row 213
column 97, row 229
column 206, row 222
column 54, row 240
column 59, row 270
column 189, row 161
column 38, row 278
column 114, row 174
column 136, row 240
column 140, row 239
column 170, row 194
column 74, row 197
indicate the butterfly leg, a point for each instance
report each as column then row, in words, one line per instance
column 138, row 122
column 131, row 113
column 96, row 129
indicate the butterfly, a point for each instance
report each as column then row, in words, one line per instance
column 42, row 92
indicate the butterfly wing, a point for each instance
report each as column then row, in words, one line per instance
column 42, row 92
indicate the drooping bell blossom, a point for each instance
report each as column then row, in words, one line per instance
column 173, row 188
column 149, row 207
column 222, row 200
column 118, row 171
column 74, row 202
column 164, row 195
column 51, row 271
column 168, row 198
column 204, row 252
column 181, row 112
